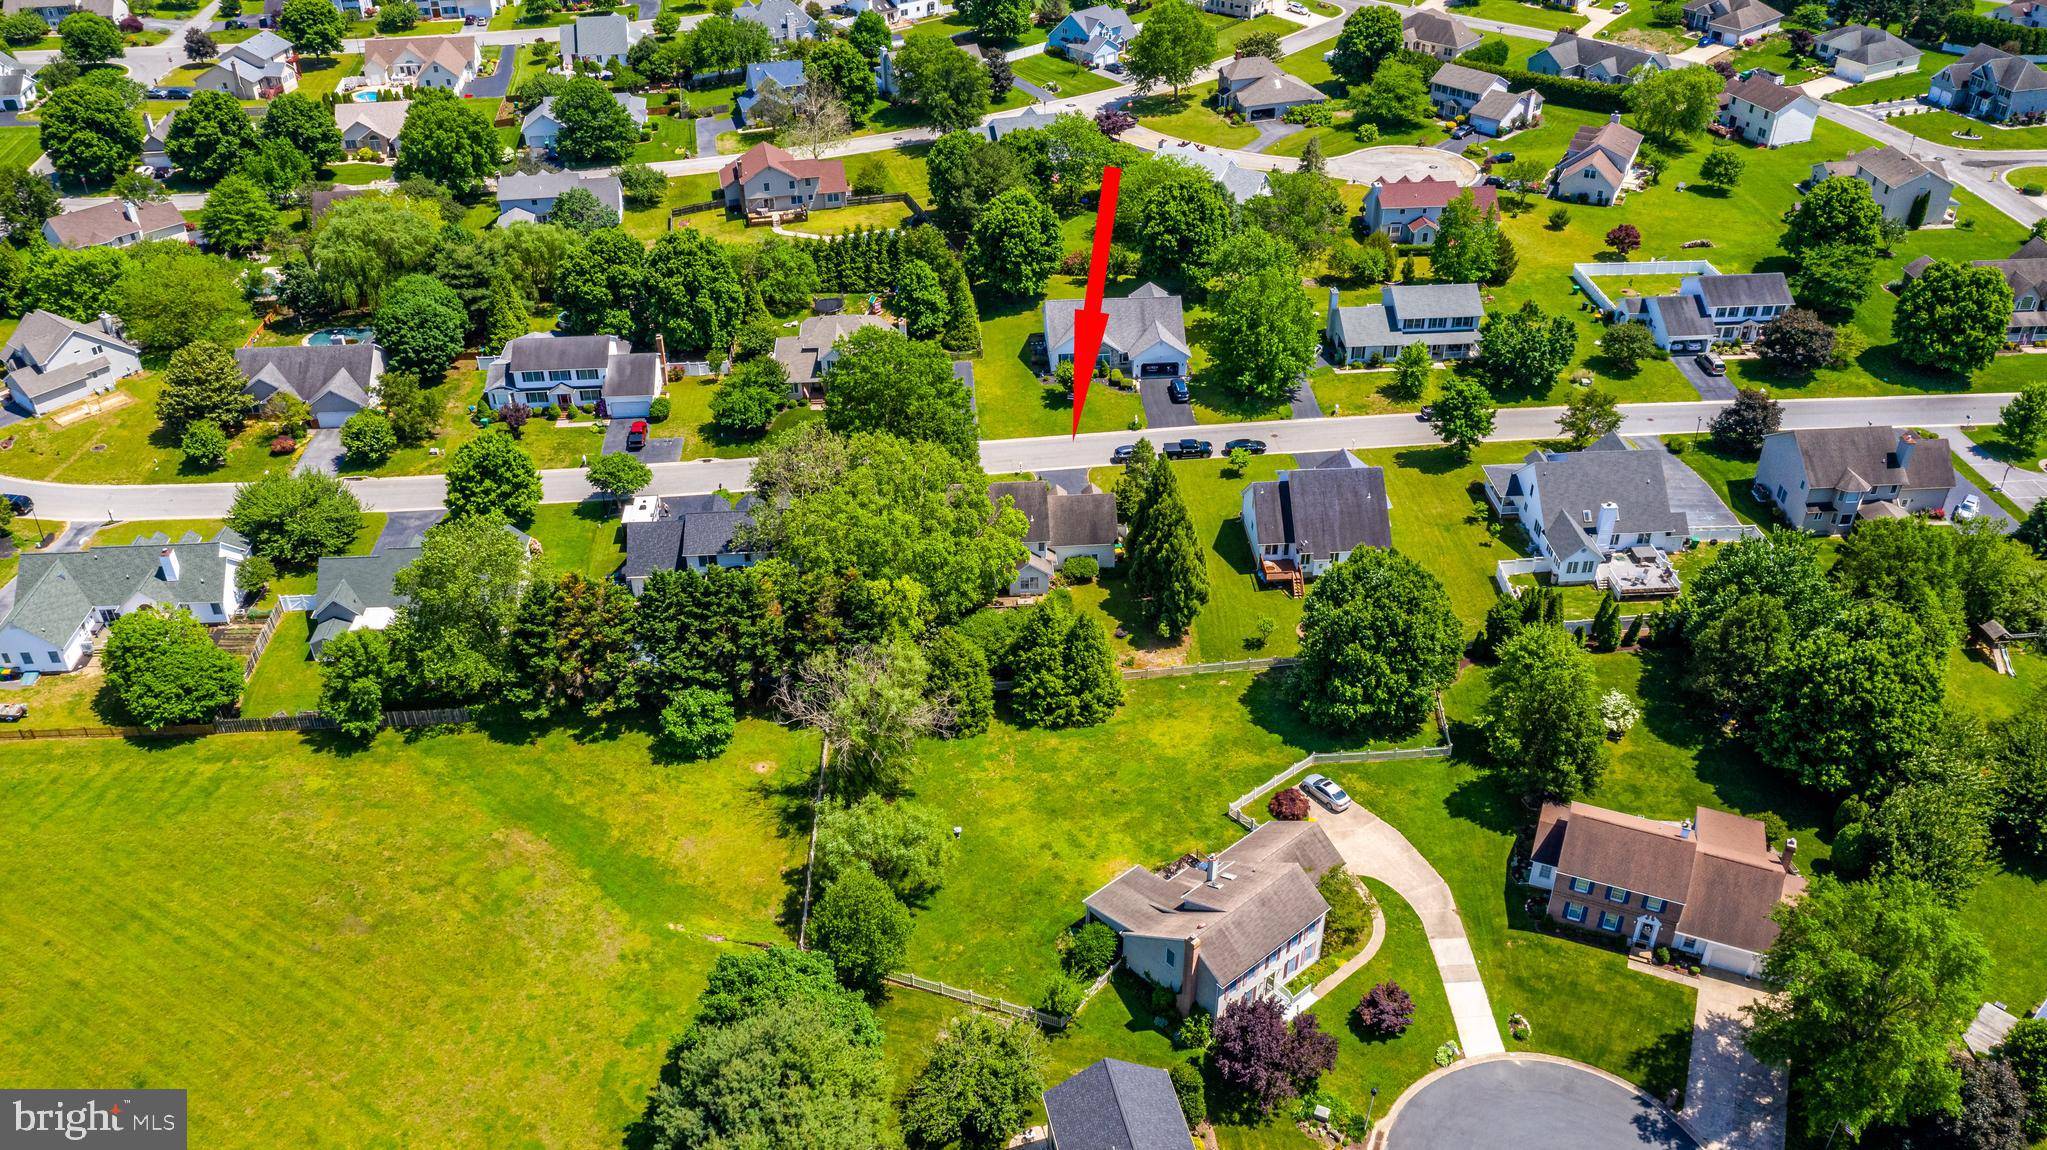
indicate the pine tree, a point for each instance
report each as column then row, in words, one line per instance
column 1038, row 682
column 1634, row 631
column 1167, row 573
column 1311, row 156
column 1093, row 688
column 1606, row 624
column 963, row 324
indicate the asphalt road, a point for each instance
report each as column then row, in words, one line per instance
column 425, row 492
column 1516, row 1104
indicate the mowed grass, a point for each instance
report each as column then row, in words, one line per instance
column 1008, row 396
column 287, row 680
column 456, row 940
column 1904, row 85
column 1514, row 12
column 1060, row 76
column 125, row 445
column 1188, row 116
column 19, row 147
column 1941, row 126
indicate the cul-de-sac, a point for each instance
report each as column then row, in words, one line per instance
column 1173, row 574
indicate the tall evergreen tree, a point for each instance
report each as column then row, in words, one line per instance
column 1093, row 688
column 1166, row 570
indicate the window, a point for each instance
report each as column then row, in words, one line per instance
column 1171, row 958
column 533, row 397
column 1582, row 885
column 1544, row 870
column 588, row 373
column 1616, row 895
column 1573, row 912
column 1653, row 905
column 28, row 658
column 1608, row 920
column 561, row 376
column 1642, row 539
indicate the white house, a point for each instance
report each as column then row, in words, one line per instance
column 1826, row 479
column 1597, row 164
column 1762, row 109
column 65, row 598
column 1241, row 9
column 334, row 380
column 544, row 369
column 1255, row 87
column 1312, row 517
column 1710, row 309
column 2025, row 13
column 1436, row 34
column 1610, row 515
column 53, row 362
column 1732, row 22
column 117, row 224
column 1908, row 189
column 766, row 178
column 1445, row 318
column 17, row 85
column 1062, row 525
column 446, row 62
column 263, row 67
column 1502, row 113
column 539, row 129
column 1146, row 337
column 1861, row 53
column 54, row 11
column 603, row 40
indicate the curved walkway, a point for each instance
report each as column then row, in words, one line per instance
column 1529, row 1102
column 1351, row 965
column 1371, row 846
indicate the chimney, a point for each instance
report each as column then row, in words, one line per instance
column 1684, row 829
column 1790, row 854
column 109, row 324
column 1613, row 118
column 167, row 565
column 1904, row 451
column 661, row 350
column 128, row 210
column 1334, row 297
column 1609, row 516
column 1214, row 871
column 1190, row 976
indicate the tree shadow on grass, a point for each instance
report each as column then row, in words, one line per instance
column 1442, row 460
column 1663, row 1066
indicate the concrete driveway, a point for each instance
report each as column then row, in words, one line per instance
column 1524, row 1103
column 1732, row 1101
column 1159, row 408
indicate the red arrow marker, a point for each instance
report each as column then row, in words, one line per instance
column 1091, row 321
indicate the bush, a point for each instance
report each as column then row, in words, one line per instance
column 254, row 575
column 1195, row 1032
column 1315, row 115
column 1187, row 1087
column 1289, row 805
column 1061, row 997
column 204, row 445
column 1090, row 949
column 283, row 445
column 1588, row 95
column 657, row 411
column 698, row 722
column 367, row 439
column 1386, row 1011
column 1447, row 1053
column 1663, row 956
column 1081, row 569
column 1350, row 912
column 1619, row 713
column 870, row 178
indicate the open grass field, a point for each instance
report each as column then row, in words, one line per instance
column 462, row 940
column 1229, row 30
column 1899, row 87
column 579, row 538
column 1941, row 126
column 323, row 74
column 2023, row 178
column 19, row 147
column 124, row 445
column 367, row 29
column 1514, row 12
column 514, row 18
column 1638, row 27
column 287, row 680
column 1059, row 76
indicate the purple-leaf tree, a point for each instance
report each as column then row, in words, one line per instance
column 1289, row 805
column 1114, row 121
column 1385, row 1010
column 1263, row 1060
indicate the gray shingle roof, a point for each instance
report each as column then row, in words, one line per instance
column 346, row 372
column 1433, row 301
column 782, row 19
column 1755, row 289
column 1256, row 82
column 1891, row 167
column 1760, row 89
column 1240, row 182
column 1999, row 69
column 348, row 585
column 1573, row 54
column 1441, row 29
column 1459, row 78
column 41, row 333
column 56, row 590
column 1654, row 491
column 693, row 529
column 1868, row 45
column 550, row 185
column 1834, row 456
column 1321, row 510
column 597, row 36
column 1136, row 321
column 1060, row 518
column 1116, row 1105
column 799, row 354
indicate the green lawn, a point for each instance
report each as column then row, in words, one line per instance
column 367, row 29
column 1010, row 400
column 320, row 75
column 1059, row 76
column 2026, row 177
column 19, row 147
column 1514, row 12
column 1992, row 441
column 287, row 680
column 1389, row 1064
column 1898, row 87
column 1940, row 126
column 514, row 17
column 673, row 139
column 353, row 173
column 1229, row 30
column 384, row 937
column 579, row 538
column 124, row 445
column 128, row 531
column 1775, row 54
column 1637, row 27
column 1188, row 117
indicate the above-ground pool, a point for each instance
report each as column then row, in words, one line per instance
column 339, row 335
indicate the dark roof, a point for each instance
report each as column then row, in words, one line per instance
column 1136, row 321
column 1653, row 490
column 55, row 590
column 1060, row 518
column 1754, row 289
column 311, row 372
column 1117, row 1105
column 1324, row 509
column 1765, row 90
column 697, row 528
column 1858, row 458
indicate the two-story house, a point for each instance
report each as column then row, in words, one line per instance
column 1062, row 525
column 1311, row 517
column 540, row 129
column 356, row 593
column 53, row 12
column 1710, row 309
column 1436, row 34
column 445, row 62
column 785, row 21
column 807, row 357
column 602, row 40
column 1408, row 210
column 2026, row 272
column 543, row 369
column 1705, row 887
column 117, row 224
column 1456, row 89
column 17, row 85
column 1443, row 317
column 1094, row 37
column 1580, row 58
column 1860, row 53
column 1255, row 87
column 1610, row 515
column 1990, row 84
column 1146, row 337
column 686, row 533
column 1597, row 164
column 371, row 124
column 1909, row 190
column 1732, row 22
column 1762, row 109
column 767, row 179
column 1824, row 479
column 528, row 197
column 775, row 81
column 334, row 380
column 1240, row 923
column 262, row 67
column 2025, row 13
column 64, row 599
column 53, row 362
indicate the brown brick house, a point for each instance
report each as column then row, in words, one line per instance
column 1704, row 887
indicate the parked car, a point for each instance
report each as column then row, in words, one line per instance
column 156, row 93
column 1324, row 790
column 1427, row 412
column 1116, row 67
column 1123, row 454
column 1710, row 364
column 177, row 93
column 1969, row 508
column 234, row 25
column 1502, row 157
column 1254, row 446
column 1620, row 8
column 22, row 504
column 636, row 435
column 1188, row 449
column 1460, row 131
column 1177, row 391
column 13, row 712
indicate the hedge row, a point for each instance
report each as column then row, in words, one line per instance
column 1968, row 28
column 1589, row 95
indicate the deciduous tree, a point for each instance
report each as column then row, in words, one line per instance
column 210, row 137
column 238, row 217
column 1797, row 342
column 942, row 80
column 492, row 476
column 1740, row 428
column 1837, row 210
column 1370, row 34
column 1265, row 1060
column 355, row 677
column 570, row 646
column 886, row 382
column 1521, row 352
column 1015, row 244
column 862, row 927
column 981, row 1084
column 294, row 518
column 1674, row 103
column 89, row 38
column 2022, row 422
column 90, row 134
column 1378, row 640
column 1463, row 414
column 165, row 669
column 1467, row 246
column 447, row 140
column 1590, row 415
column 420, row 327
column 1542, row 724
column 203, row 384
column 1855, row 699
column 1171, row 45
column 595, row 127
column 314, row 27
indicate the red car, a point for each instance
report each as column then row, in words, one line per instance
column 636, row 435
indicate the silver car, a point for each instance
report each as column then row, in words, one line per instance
column 1325, row 791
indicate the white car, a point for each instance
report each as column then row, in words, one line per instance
column 1325, row 791
column 1969, row 508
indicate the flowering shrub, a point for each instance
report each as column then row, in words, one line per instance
column 1619, row 713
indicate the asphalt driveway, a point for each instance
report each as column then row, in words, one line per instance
column 1708, row 386
column 1530, row 1104
column 1159, row 408
column 655, row 450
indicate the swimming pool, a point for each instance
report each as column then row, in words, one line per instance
column 326, row 337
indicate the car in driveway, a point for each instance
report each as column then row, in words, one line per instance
column 1188, row 449
column 1254, row 446
column 636, row 435
column 1969, row 508
column 1710, row 364
column 1177, row 391
column 1461, row 131
column 1324, row 790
